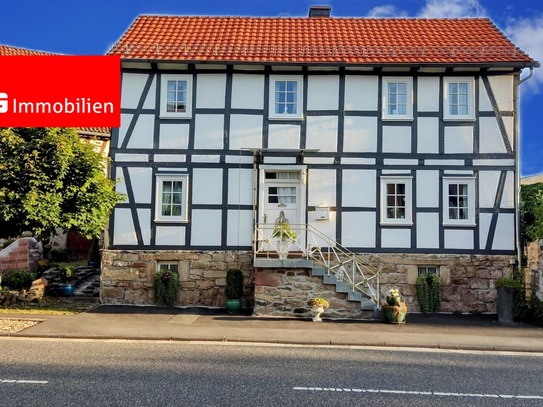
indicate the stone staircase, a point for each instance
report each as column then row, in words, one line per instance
column 365, row 303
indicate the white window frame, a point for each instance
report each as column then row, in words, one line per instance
column 426, row 269
column 408, row 181
column 168, row 265
column 299, row 97
column 470, row 181
column 408, row 102
column 184, row 191
column 446, row 98
column 164, row 95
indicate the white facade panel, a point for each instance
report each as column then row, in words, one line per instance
column 428, row 230
column 321, row 187
column 239, row 228
column 125, row 122
column 280, row 160
column 360, row 134
column 502, row 88
column 240, row 186
column 490, row 138
column 210, row 91
column 396, row 139
column 124, row 232
column 126, row 158
column 141, row 180
column 144, row 217
column 444, row 162
column 170, row 235
column 396, row 238
column 327, row 227
column 319, row 160
column 427, row 189
column 359, row 188
column 484, row 100
column 142, row 135
column 360, row 161
column 284, row 136
column 494, row 162
column 488, row 185
column 207, row 158
column 321, row 133
column 428, row 135
column 209, row 130
column 504, row 237
column 509, row 124
column 508, row 197
column 120, row 187
column 247, row 91
column 459, row 239
column 207, row 186
column 322, row 92
column 458, row 139
column 239, row 159
column 206, row 227
column 428, row 94
column 361, row 92
column 132, row 89
column 173, row 136
column 170, row 158
column 400, row 161
column 484, row 227
column 358, row 229
column 245, row 131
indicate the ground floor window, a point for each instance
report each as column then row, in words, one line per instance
column 427, row 269
column 164, row 266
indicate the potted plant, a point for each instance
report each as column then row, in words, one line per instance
column 66, row 287
column 234, row 290
column 394, row 310
column 429, row 292
column 166, row 287
column 318, row 305
column 506, row 288
column 284, row 235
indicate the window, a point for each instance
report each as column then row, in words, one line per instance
column 427, row 269
column 396, row 200
column 163, row 266
column 176, row 96
column 285, row 97
column 458, row 94
column 459, row 201
column 171, row 198
column 397, row 98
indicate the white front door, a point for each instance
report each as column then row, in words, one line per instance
column 282, row 192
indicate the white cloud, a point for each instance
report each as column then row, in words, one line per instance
column 452, row 9
column 526, row 33
column 386, row 11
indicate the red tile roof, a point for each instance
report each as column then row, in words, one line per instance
column 6, row 50
column 319, row 40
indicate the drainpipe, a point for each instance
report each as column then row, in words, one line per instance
column 517, row 167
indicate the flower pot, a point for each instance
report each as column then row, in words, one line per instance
column 395, row 314
column 66, row 290
column 282, row 249
column 233, row 306
column 317, row 311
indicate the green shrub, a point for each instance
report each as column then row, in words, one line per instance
column 58, row 255
column 506, row 282
column 429, row 292
column 166, row 287
column 17, row 279
column 234, row 284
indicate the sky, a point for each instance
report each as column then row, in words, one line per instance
column 91, row 27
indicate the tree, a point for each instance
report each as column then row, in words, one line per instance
column 50, row 179
column 531, row 212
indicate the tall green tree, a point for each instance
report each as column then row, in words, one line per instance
column 531, row 212
column 50, row 179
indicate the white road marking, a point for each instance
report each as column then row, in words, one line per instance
column 421, row 393
column 24, row 381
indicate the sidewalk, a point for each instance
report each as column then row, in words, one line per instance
column 467, row 332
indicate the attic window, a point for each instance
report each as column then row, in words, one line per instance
column 285, row 97
column 176, row 96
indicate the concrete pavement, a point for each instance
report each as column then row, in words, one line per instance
column 466, row 332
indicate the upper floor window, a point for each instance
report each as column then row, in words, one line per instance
column 176, row 96
column 458, row 98
column 459, row 201
column 285, row 97
column 396, row 200
column 397, row 98
column 171, row 202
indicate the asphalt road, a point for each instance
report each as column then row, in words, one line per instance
column 124, row 373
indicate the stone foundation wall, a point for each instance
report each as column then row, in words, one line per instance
column 285, row 292
column 128, row 276
column 23, row 254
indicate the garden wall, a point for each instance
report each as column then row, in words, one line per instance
column 23, row 254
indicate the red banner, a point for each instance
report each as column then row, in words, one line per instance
column 60, row 91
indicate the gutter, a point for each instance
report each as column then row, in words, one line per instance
column 517, row 168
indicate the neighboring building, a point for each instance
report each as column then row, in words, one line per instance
column 395, row 139
column 532, row 179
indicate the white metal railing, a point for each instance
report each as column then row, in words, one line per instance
column 311, row 244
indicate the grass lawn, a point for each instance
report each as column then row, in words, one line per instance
column 53, row 306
